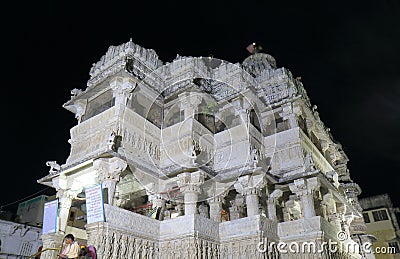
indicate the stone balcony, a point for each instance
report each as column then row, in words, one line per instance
column 188, row 225
column 287, row 150
column 94, row 136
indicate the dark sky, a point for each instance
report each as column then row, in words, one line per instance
column 347, row 53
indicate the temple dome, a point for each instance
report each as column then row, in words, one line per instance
column 258, row 62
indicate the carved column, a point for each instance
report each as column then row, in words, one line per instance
column 53, row 241
column 217, row 194
column 304, row 189
column 189, row 103
column 250, row 186
column 236, row 209
column 272, row 202
column 215, row 208
column 109, row 170
column 190, row 183
column 65, row 198
column 122, row 87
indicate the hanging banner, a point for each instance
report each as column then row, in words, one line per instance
column 94, row 204
column 50, row 217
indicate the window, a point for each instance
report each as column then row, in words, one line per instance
column 366, row 218
column 380, row 215
column 99, row 104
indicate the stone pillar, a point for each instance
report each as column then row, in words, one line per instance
column 236, row 209
column 217, row 193
column 65, row 198
column 122, row 87
column 249, row 186
column 190, row 183
column 189, row 102
column 304, row 189
column 53, row 242
column 190, row 199
column 108, row 171
column 215, row 209
column 272, row 202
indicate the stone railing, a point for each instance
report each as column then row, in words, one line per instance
column 132, row 222
column 253, row 226
column 176, row 142
column 189, row 225
column 307, row 228
column 140, row 138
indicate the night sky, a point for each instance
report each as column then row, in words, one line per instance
column 346, row 52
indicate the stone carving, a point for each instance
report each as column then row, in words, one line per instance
column 203, row 210
column 75, row 92
column 272, row 202
column 54, row 167
column 333, row 177
column 328, row 205
column 292, row 209
column 309, row 163
column 111, row 142
column 237, row 205
column 254, row 157
column 193, row 154
column 109, row 169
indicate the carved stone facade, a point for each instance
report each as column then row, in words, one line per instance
column 233, row 158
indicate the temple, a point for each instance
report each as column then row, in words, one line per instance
column 232, row 158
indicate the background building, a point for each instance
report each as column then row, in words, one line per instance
column 382, row 220
column 223, row 157
column 20, row 234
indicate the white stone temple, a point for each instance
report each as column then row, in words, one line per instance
column 234, row 158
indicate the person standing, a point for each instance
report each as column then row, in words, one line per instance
column 71, row 249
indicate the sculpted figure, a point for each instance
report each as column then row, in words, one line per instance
column 54, row 167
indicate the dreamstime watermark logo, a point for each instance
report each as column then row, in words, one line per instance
column 341, row 235
column 343, row 245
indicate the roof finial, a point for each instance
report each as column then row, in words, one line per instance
column 254, row 48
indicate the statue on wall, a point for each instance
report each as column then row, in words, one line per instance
column 308, row 162
column 54, row 167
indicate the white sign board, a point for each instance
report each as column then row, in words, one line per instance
column 50, row 217
column 94, row 204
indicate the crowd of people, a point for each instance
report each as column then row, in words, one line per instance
column 72, row 250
